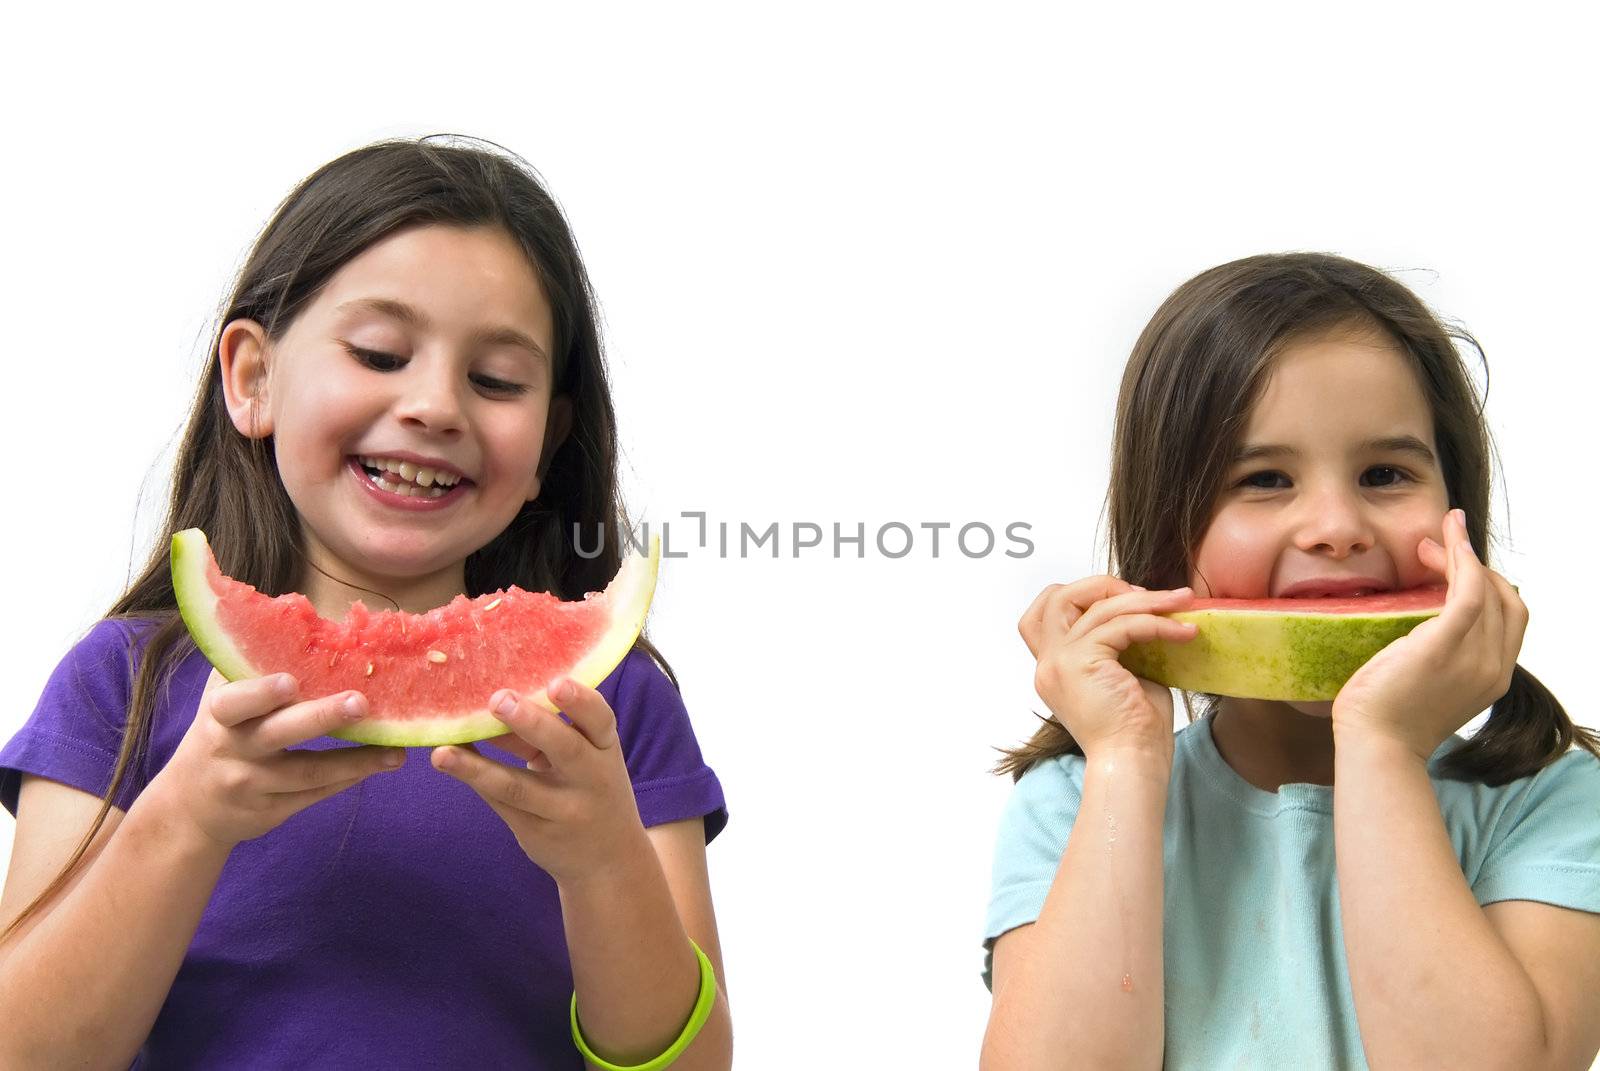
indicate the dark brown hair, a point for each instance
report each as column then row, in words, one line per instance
column 228, row 484
column 1196, row 370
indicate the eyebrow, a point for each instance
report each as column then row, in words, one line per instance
column 413, row 317
column 1392, row 444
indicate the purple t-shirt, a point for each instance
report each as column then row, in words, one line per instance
column 395, row 924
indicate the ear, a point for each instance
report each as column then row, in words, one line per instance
column 556, row 428
column 242, row 350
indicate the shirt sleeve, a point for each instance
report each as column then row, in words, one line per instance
column 75, row 731
column 671, row 780
column 1549, row 848
column 1033, row 837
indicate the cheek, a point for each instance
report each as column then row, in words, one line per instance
column 516, row 450
column 1403, row 540
column 1235, row 559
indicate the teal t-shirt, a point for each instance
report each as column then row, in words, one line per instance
column 1255, row 969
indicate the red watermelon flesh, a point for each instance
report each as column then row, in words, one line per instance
column 427, row 677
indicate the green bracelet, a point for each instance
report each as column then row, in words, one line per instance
column 697, row 1019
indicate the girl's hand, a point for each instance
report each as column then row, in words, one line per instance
column 1431, row 681
column 572, row 808
column 1077, row 632
column 230, row 775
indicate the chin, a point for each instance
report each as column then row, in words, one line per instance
column 1322, row 709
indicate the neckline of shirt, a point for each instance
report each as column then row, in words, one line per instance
column 1294, row 796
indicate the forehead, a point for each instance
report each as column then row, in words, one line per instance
column 460, row 280
column 1339, row 388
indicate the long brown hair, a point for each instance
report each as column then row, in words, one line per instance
column 228, row 484
column 1196, row 370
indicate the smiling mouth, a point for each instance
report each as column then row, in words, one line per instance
column 396, row 484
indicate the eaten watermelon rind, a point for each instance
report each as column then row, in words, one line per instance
column 629, row 593
column 197, row 603
column 1271, row 654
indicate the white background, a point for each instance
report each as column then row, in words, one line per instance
column 866, row 264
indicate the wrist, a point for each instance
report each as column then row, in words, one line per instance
column 630, row 860
column 153, row 814
column 1369, row 744
column 1147, row 765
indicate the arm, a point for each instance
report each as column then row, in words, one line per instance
column 1086, row 979
column 1437, row 983
column 630, row 898
column 635, row 973
column 81, row 984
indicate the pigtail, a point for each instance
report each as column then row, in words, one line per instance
column 1527, row 730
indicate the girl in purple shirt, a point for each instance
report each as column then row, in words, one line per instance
column 200, row 876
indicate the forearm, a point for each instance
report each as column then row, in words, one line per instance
column 1086, row 990
column 1434, row 985
column 82, row 985
column 634, row 970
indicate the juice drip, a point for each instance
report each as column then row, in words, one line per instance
column 1116, row 888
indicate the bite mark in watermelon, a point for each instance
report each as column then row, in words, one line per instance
column 427, row 677
column 1295, row 650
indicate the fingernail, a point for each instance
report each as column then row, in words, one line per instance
column 283, row 684
column 354, row 708
column 394, row 759
column 563, row 692
column 507, row 705
column 1139, row 587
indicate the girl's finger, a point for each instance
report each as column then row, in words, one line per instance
column 304, row 721
column 589, row 712
column 1464, row 595
column 561, row 743
column 1515, row 613
column 1432, row 556
column 1059, row 606
column 531, row 757
column 300, row 771
column 499, row 785
column 513, row 745
column 301, row 800
column 1125, row 630
column 1031, row 623
column 236, row 702
column 1133, row 602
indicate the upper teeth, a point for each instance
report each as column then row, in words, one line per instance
column 419, row 475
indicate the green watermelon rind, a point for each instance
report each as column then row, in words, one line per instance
column 630, row 592
column 1268, row 654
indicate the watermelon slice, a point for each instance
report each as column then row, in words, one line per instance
column 1286, row 649
column 427, row 677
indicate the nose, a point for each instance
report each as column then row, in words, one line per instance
column 428, row 399
column 1334, row 521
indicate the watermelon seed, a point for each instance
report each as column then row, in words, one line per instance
column 369, row 669
column 437, row 656
column 332, row 659
column 491, row 606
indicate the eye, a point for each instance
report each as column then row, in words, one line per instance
column 388, row 362
column 1260, row 480
column 500, row 386
column 1389, row 475
column 382, row 362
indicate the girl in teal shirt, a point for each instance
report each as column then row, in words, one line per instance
column 1296, row 884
